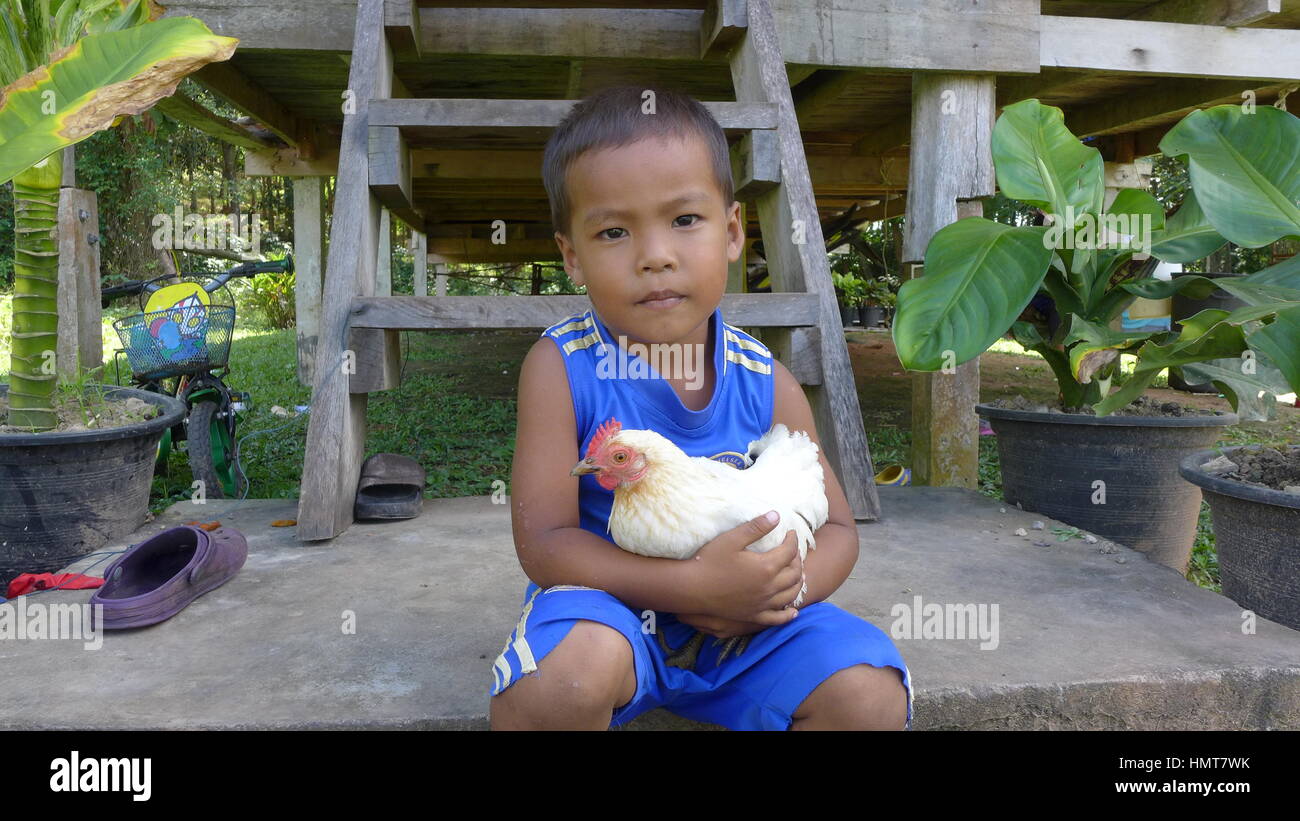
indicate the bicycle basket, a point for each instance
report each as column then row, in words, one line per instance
column 179, row 340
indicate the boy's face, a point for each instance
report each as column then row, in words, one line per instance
column 649, row 217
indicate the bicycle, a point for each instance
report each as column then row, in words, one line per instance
column 179, row 346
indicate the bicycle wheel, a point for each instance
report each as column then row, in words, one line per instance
column 210, row 450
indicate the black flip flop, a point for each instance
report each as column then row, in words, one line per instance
column 391, row 487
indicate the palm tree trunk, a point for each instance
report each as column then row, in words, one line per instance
column 36, row 278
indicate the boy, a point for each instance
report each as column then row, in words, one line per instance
column 602, row 635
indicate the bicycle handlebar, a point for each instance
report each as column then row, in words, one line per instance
column 245, row 269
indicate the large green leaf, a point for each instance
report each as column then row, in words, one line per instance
column 1253, row 393
column 979, row 275
column 96, row 80
column 1285, row 274
column 1244, row 168
column 1188, row 234
column 1280, row 339
column 1208, row 335
column 1038, row 161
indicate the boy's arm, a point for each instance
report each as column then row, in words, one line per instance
column 831, row 562
column 552, row 547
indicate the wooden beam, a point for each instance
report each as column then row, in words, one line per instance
column 287, row 162
column 796, row 256
column 721, row 27
column 402, row 27
column 182, row 108
column 735, row 118
column 1209, row 12
column 1170, row 100
column 994, row 35
column 1169, row 49
column 412, row 313
column 336, row 432
column 233, row 86
column 755, row 165
column 998, row 36
column 390, row 174
column 819, row 91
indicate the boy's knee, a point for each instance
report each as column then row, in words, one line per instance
column 591, row 671
column 861, row 697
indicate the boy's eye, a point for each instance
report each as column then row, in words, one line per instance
column 693, row 217
column 606, row 231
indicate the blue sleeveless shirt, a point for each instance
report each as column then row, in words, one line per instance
column 605, row 381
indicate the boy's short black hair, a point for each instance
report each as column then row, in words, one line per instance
column 612, row 118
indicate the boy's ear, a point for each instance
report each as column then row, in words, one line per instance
column 735, row 233
column 571, row 266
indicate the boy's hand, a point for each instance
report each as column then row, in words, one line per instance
column 739, row 585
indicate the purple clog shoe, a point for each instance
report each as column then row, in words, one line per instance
column 157, row 578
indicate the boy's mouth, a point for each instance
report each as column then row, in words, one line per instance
column 661, row 299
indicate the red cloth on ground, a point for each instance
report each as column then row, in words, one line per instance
column 28, row 582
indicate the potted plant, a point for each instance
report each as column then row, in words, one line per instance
column 1093, row 461
column 878, row 296
column 850, row 291
column 70, row 68
column 1254, row 498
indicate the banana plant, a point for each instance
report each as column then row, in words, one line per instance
column 70, row 68
column 980, row 275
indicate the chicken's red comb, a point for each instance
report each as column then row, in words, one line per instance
column 603, row 434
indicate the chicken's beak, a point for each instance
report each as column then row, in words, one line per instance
column 584, row 467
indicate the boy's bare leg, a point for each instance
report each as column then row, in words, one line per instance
column 861, row 697
column 576, row 687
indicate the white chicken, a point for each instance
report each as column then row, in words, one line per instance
column 669, row 505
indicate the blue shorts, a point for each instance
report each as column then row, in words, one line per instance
column 757, row 689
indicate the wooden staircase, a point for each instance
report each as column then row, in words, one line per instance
column 357, row 350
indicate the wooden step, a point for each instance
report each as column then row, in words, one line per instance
column 488, row 123
column 426, row 313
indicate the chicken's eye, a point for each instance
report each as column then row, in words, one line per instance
column 620, row 457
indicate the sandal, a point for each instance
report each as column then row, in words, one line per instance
column 391, row 487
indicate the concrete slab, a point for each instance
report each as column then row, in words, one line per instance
column 1085, row 639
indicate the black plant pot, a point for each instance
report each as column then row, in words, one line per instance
column 847, row 315
column 1115, row 476
column 872, row 315
column 1257, row 535
column 1185, row 308
column 63, row 495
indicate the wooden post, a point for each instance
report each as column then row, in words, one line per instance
column 420, row 260
column 951, row 167
column 440, row 278
column 309, row 256
column 796, row 256
column 336, row 432
column 80, row 340
column 384, row 269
